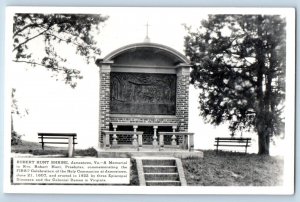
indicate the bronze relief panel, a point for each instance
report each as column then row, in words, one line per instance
column 143, row 93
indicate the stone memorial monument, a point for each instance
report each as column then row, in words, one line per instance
column 143, row 87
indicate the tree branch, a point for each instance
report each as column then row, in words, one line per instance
column 39, row 64
column 29, row 39
column 76, row 44
column 25, row 27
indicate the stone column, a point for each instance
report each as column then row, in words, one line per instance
column 155, row 143
column 104, row 98
column 115, row 141
column 173, row 142
column 134, row 138
column 182, row 97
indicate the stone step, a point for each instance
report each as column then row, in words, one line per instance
column 160, row 169
column 165, row 162
column 161, row 176
column 163, row 183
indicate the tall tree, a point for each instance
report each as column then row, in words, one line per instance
column 238, row 63
column 50, row 31
column 16, row 110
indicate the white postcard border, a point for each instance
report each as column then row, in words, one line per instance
column 286, row 189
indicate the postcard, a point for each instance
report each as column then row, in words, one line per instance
column 149, row 100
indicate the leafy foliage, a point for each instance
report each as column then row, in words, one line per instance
column 238, row 63
column 16, row 110
column 53, row 29
column 15, row 138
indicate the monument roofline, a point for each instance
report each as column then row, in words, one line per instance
column 130, row 47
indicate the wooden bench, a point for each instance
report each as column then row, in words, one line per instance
column 137, row 137
column 187, row 139
column 232, row 142
column 61, row 138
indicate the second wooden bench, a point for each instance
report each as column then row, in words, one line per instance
column 232, row 142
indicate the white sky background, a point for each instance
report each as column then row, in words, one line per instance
column 56, row 107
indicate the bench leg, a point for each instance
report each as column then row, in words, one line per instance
column 217, row 146
column 246, row 146
column 71, row 147
column 42, row 142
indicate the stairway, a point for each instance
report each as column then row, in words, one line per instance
column 160, row 172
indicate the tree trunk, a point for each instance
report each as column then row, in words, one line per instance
column 12, row 123
column 261, row 113
column 263, row 143
column 262, row 96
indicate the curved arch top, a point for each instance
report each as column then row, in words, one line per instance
column 131, row 47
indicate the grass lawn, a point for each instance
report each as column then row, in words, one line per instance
column 233, row 169
column 36, row 149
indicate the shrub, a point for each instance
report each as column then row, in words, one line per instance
column 15, row 138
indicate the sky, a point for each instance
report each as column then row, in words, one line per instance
column 55, row 107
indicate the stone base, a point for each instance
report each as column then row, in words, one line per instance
column 132, row 154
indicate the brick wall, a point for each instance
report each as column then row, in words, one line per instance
column 182, row 99
column 104, row 102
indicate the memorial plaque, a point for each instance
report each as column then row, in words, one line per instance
column 141, row 93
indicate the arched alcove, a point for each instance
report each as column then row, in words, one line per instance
column 144, row 84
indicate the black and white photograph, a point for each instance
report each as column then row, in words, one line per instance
column 149, row 100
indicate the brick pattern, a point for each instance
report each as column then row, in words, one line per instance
column 104, row 103
column 182, row 102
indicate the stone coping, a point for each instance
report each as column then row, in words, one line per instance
column 142, row 116
column 143, row 124
column 151, row 154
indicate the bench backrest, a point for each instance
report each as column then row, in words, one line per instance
column 223, row 141
column 57, row 135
